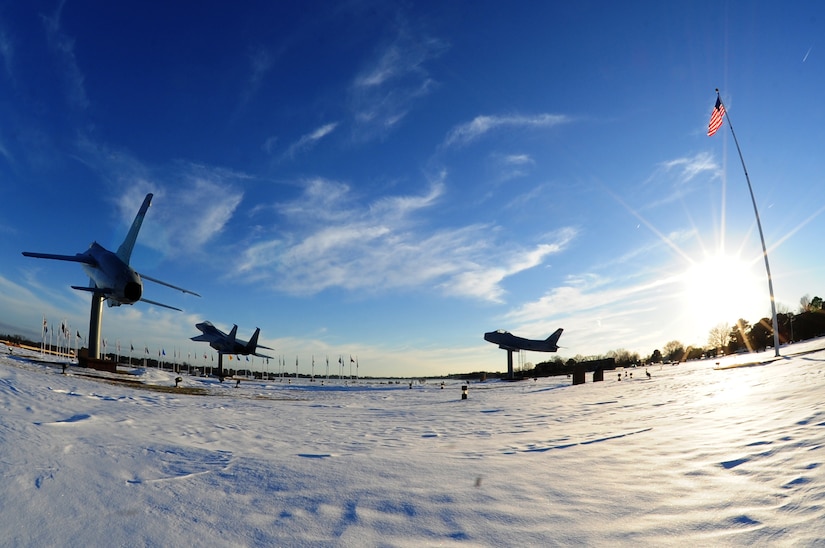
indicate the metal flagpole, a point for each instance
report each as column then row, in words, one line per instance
column 758, row 223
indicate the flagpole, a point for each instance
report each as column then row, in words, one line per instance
column 759, row 226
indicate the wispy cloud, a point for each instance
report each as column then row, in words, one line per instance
column 385, row 244
column 4, row 152
column 481, row 125
column 63, row 46
column 513, row 166
column 186, row 216
column 260, row 63
column 687, row 169
column 518, row 160
column 6, row 51
column 483, row 281
column 185, row 212
column 309, row 140
column 385, row 91
column 680, row 174
column 620, row 312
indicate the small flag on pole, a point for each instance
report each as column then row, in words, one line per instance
column 716, row 117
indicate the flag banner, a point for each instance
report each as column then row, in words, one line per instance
column 716, row 117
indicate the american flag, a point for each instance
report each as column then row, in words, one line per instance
column 716, row 117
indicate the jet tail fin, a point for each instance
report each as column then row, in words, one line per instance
column 232, row 334
column 554, row 338
column 124, row 252
column 253, row 341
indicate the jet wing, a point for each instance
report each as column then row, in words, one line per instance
column 102, row 290
column 161, row 304
column 78, row 258
column 145, row 277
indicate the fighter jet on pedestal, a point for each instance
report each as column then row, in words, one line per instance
column 510, row 342
column 110, row 277
column 227, row 343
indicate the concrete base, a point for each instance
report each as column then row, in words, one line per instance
column 84, row 360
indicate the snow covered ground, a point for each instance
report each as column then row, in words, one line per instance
column 693, row 456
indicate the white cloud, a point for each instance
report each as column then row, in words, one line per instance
column 7, row 52
column 63, row 46
column 680, row 174
column 309, row 140
column 385, row 245
column 260, row 63
column 185, row 214
column 482, row 280
column 386, row 90
column 481, row 125
column 518, row 160
column 688, row 169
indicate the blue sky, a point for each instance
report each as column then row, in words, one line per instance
column 389, row 180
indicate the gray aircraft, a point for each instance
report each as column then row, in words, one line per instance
column 508, row 341
column 111, row 278
column 109, row 273
column 511, row 343
column 227, row 343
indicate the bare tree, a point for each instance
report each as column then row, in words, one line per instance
column 719, row 336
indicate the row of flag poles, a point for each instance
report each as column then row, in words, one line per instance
column 62, row 343
column 282, row 367
column 58, row 341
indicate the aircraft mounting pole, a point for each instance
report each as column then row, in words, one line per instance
column 95, row 322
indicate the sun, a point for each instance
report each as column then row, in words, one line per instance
column 722, row 289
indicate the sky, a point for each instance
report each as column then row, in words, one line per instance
column 692, row 456
column 391, row 180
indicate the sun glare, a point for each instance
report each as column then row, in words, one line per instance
column 722, row 289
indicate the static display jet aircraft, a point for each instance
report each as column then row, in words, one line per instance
column 226, row 343
column 109, row 273
column 508, row 341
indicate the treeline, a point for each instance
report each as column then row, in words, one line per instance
column 802, row 326
column 807, row 323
